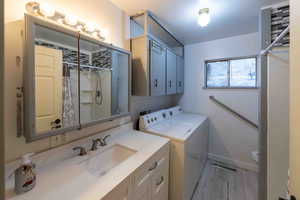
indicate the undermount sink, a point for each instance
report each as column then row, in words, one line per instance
column 103, row 162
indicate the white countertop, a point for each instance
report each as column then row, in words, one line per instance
column 55, row 181
column 178, row 128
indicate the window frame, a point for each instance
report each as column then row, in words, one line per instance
column 228, row 72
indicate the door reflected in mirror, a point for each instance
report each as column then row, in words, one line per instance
column 56, row 80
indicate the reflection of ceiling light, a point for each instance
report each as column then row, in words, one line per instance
column 204, row 17
column 71, row 20
column 47, row 10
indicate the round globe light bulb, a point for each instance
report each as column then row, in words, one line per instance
column 71, row 20
column 47, row 10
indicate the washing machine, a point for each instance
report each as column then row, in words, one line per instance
column 188, row 133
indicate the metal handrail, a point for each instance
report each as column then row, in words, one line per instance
column 284, row 32
column 233, row 112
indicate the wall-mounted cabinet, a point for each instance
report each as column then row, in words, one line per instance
column 158, row 63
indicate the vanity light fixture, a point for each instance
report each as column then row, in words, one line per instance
column 47, row 11
column 204, row 17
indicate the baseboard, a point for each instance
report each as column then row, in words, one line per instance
column 239, row 164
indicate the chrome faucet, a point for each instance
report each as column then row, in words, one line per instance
column 95, row 144
column 82, row 150
column 103, row 140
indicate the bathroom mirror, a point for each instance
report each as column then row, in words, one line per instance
column 103, row 82
column 70, row 80
column 56, row 80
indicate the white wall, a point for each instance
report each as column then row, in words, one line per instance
column 231, row 139
column 295, row 98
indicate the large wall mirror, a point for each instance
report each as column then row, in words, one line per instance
column 70, row 80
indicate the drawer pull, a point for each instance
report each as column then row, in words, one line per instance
column 154, row 166
column 161, row 180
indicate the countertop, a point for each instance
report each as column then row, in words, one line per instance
column 54, row 181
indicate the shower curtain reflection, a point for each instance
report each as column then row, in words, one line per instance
column 69, row 116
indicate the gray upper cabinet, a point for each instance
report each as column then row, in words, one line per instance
column 157, row 69
column 154, row 58
column 171, row 73
column 180, row 74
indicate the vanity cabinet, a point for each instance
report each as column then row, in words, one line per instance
column 149, row 182
column 180, row 75
column 171, row 72
column 121, row 192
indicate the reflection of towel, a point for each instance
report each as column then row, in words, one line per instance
column 69, row 118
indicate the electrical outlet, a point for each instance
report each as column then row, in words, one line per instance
column 55, row 141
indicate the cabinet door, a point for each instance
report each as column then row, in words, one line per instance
column 171, row 72
column 180, row 74
column 157, row 69
column 121, row 192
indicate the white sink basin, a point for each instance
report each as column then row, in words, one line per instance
column 101, row 163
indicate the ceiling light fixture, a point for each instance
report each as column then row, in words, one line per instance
column 204, row 17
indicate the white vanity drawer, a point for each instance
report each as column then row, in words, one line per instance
column 144, row 176
column 160, row 180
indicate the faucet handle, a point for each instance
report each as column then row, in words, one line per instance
column 95, row 144
column 103, row 140
column 82, row 150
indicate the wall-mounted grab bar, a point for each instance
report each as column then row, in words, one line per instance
column 233, row 112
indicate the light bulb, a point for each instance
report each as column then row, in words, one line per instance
column 204, row 17
column 71, row 20
column 90, row 27
column 104, row 33
column 47, row 10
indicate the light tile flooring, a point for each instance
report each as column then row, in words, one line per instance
column 218, row 183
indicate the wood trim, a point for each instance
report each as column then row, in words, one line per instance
column 2, row 139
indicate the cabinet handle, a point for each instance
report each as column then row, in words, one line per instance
column 155, row 83
column 161, row 180
column 170, row 83
column 153, row 167
column 179, row 83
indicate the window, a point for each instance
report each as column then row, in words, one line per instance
column 231, row 73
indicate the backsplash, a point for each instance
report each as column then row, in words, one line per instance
column 280, row 20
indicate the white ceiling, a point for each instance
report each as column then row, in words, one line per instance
column 228, row 17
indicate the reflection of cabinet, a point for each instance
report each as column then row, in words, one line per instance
column 171, row 72
column 148, row 182
column 180, row 75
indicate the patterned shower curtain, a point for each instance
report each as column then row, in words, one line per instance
column 69, row 117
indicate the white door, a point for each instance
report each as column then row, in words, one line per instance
column 48, row 87
column 171, row 72
column 278, row 123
